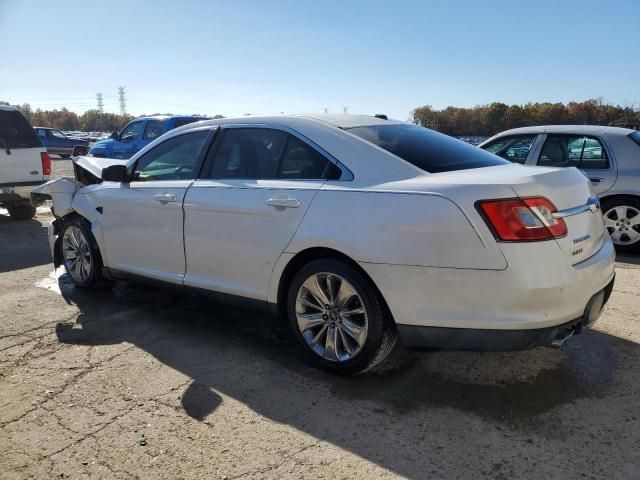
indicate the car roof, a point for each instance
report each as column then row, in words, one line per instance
column 8, row 108
column 167, row 117
column 586, row 129
column 343, row 121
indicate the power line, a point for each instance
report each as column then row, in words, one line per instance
column 121, row 99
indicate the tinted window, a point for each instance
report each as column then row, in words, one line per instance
column 248, row 153
column 16, row 131
column 41, row 133
column 153, row 129
column 428, row 150
column 300, row 161
column 573, row 151
column 514, row 149
column 131, row 131
column 173, row 159
column 185, row 121
column 635, row 136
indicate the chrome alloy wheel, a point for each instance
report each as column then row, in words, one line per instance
column 623, row 224
column 77, row 254
column 331, row 317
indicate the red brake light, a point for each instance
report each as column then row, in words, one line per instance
column 521, row 220
column 46, row 163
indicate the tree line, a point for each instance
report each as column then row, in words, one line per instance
column 89, row 121
column 487, row 120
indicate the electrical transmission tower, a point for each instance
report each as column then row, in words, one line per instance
column 123, row 102
column 100, row 102
column 345, row 109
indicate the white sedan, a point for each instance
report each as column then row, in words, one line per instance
column 362, row 231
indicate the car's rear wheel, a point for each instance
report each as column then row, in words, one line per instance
column 21, row 210
column 622, row 219
column 79, row 253
column 338, row 317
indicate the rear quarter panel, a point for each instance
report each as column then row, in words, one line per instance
column 422, row 229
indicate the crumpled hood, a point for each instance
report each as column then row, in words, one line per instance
column 94, row 165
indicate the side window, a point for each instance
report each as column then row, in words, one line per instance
column 573, row 151
column 153, row 129
column 300, row 161
column 514, row 149
column 57, row 134
column 561, row 151
column 594, row 156
column 131, row 131
column 42, row 133
column 173, row 159
column 247, row 153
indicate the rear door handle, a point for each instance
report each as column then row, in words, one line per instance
column 284, row 202
column 595, row 179
column 165, row 198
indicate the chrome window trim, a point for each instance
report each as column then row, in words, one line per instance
column 345, row 174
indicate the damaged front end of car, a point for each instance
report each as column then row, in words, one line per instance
column 66, row 200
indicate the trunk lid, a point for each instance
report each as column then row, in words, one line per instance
column 569, row 190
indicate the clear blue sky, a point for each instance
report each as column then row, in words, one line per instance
column 262, row 57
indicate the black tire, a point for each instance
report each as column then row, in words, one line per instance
column 381, row 337
column 95, row 272
column 631, row 203
column 21, row 211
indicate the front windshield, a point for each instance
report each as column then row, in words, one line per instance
column 430, row 151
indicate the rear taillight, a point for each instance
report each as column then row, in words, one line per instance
column 522, row 220
column 46, row 163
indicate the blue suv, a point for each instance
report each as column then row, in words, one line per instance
column 137, row 134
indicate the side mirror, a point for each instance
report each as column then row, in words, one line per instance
column 114, row 135
column 115, row 173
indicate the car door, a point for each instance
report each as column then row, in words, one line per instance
column 255, row 187
column 130, row 140
column 142, row 219
column 586, row 152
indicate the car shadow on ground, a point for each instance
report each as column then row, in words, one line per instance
column 23, row 244
column 253, row 359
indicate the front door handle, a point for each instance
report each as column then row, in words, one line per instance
column 165, row 198
column 283, row 202
column 595, row 179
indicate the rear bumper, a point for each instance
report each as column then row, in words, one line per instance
column 441, row 338
column 538, row 291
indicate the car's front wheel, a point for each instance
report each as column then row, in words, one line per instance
column 622, row 219
column 79, row 252
column 338, row 317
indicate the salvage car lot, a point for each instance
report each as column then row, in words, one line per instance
column 130, row 382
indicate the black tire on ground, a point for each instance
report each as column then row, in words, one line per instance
column 94, row 276
column 21, row 210
column 65, row 156
column 381, row 337
column 632, row 204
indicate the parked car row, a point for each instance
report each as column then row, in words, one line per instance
column 608, row 156
column 363, row 232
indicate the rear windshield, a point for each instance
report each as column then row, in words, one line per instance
column 16, row 131
column 430, row 151
column 635, row 136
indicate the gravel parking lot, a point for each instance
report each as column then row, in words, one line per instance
column 134, row 382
